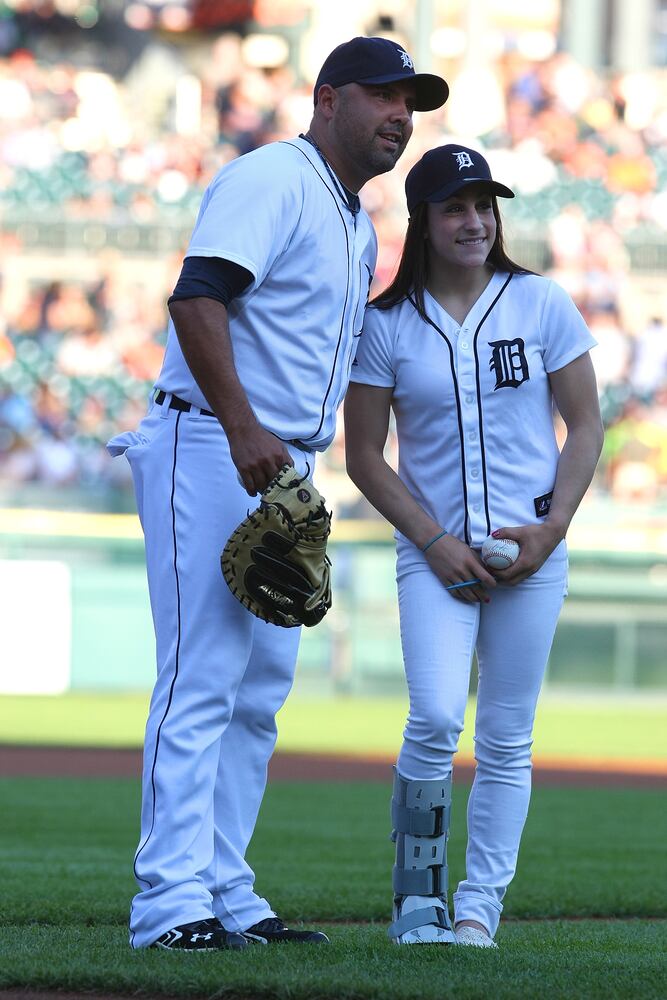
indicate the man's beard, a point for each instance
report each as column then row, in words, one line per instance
column 383, row 160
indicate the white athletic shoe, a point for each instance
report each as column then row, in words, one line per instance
column 421, row 920
column 473, row 936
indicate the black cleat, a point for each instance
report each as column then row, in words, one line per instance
column 273, row 931
column 200, row 935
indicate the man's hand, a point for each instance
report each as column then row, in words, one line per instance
column 454, row 562
column 258, row 456
column 202, row 326
column 536, row 543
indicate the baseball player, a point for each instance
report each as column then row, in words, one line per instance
column 470, row 351
column 263, row 325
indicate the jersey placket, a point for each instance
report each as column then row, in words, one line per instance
column 357, row 242
column 355, row 252
column 472, row 446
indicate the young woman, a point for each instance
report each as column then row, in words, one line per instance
column 471, row 352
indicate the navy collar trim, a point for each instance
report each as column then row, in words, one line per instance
column 349, row 197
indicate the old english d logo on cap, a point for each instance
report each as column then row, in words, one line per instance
column 372, row 60
column 463, row 159
column 443, row 171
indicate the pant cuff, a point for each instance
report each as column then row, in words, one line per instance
column 477, row 906
column 238, row 909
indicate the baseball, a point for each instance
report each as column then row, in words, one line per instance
column 499, row 553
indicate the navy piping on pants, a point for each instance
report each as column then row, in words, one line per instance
column 178, row 646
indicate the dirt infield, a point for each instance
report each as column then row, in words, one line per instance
column 96, row 762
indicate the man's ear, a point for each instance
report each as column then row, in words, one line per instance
column 326, row 100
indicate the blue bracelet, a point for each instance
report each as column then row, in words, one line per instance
column 459, row 586
column 429, row 544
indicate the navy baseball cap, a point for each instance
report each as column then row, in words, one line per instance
column 379, row 60
column 445, row 170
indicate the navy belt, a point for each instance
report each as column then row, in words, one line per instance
column 175, row 403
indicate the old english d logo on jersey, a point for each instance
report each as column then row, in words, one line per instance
column 508, row 361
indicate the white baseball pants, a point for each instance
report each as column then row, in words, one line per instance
column 512, row 636
column 222, row 675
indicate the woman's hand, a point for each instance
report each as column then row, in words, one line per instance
column 536, row 543
column 454, row 562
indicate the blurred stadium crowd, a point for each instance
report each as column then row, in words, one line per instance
column 587, row 157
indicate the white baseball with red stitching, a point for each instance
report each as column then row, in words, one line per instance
column 499, row 553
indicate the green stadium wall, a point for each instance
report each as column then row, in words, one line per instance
column 77, row 617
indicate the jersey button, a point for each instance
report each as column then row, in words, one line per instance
column 470, row 399
column 474, row 473
column 464, row 345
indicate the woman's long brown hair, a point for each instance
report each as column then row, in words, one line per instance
column 412, row 274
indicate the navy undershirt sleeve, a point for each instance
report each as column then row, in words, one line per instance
column 211, row 278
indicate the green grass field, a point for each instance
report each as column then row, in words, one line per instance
column 608, row 728
column 322, row 855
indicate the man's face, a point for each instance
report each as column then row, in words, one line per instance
column 372, row 124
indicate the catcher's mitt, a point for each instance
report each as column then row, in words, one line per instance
column 275, row 562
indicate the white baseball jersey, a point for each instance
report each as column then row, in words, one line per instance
column 279, row 213
column 473, row 406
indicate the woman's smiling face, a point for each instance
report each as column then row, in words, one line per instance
column 462, row 229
